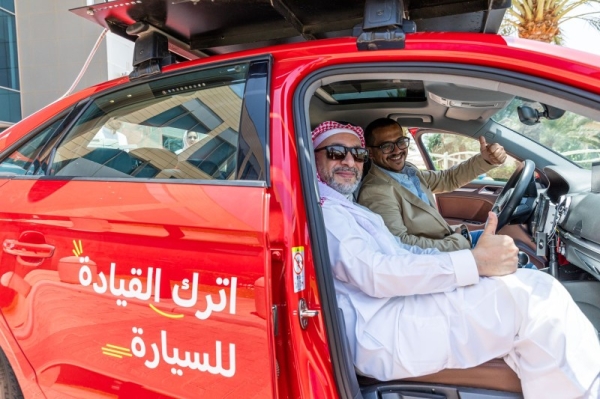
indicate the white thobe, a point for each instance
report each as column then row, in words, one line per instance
column 412, row 311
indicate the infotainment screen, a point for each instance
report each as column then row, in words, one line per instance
column 596, row 177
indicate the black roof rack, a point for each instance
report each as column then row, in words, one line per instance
column 198, row 28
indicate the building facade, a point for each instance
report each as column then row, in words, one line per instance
column 43, row 48
column 10, row 90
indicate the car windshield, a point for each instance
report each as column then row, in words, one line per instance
column 574, row 137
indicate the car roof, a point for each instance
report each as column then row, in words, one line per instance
column 203, row 28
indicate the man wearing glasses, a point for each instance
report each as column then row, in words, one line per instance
column 411, row 311
column 403, row 195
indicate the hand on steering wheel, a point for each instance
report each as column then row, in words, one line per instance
column 512, row 194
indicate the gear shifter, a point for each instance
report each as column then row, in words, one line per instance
column 523, row 259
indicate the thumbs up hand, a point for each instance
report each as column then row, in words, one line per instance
column 494, row 154
column 495, row 255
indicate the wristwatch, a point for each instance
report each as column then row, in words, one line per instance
column 465, row 233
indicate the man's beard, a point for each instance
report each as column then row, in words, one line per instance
column 342, row 188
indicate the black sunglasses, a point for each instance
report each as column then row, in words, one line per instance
column 388, row 147
column 339, row 152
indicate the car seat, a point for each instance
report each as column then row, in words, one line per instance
column 494, row 379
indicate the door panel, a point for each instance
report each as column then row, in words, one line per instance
column 469, row 205
column 136, row 281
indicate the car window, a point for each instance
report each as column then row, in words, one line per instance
column 574, row 137
column 447, row 150
column 25, row 160
column 413, row 155
column 180, row 127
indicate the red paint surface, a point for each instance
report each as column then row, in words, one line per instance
column 54, row 328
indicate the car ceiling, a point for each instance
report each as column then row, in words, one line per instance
column 489, row 95
column 447, row 106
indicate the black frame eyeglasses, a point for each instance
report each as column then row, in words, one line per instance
column 388, row 147
column 339, row 152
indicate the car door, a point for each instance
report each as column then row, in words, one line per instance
column 130, row 259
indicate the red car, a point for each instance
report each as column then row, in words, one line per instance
column 162, row 235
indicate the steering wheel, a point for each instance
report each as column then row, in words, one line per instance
column 512, row 194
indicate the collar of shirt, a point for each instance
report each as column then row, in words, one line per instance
column 408, row 179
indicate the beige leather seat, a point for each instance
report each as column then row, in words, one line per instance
column 495, row 375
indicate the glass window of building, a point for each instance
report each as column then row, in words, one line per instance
column 8, row 5
column 10, row 98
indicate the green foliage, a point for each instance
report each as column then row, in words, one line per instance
column 503, row 172
column 573, row 136
column 434, row 142
column 458, row 148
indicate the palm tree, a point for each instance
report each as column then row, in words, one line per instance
column 541, row 19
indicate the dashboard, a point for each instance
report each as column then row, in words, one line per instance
column 569, row 211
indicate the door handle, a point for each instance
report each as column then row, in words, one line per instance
column 18, row 248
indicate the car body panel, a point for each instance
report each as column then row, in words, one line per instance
column 114, row 240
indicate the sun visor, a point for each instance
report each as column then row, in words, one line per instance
column 467, row 103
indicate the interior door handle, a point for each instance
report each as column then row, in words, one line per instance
column 18, row 248
column 493, row 190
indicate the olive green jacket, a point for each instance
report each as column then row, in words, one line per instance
column 410, row 218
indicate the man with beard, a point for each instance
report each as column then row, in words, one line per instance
column 411, row 312
column 403, row 195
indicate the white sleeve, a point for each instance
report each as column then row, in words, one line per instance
column 357, row 260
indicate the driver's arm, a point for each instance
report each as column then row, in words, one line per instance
column 442, row 181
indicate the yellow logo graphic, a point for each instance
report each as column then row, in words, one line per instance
column 78, row 249
column 166, row 314
column 116, row 351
